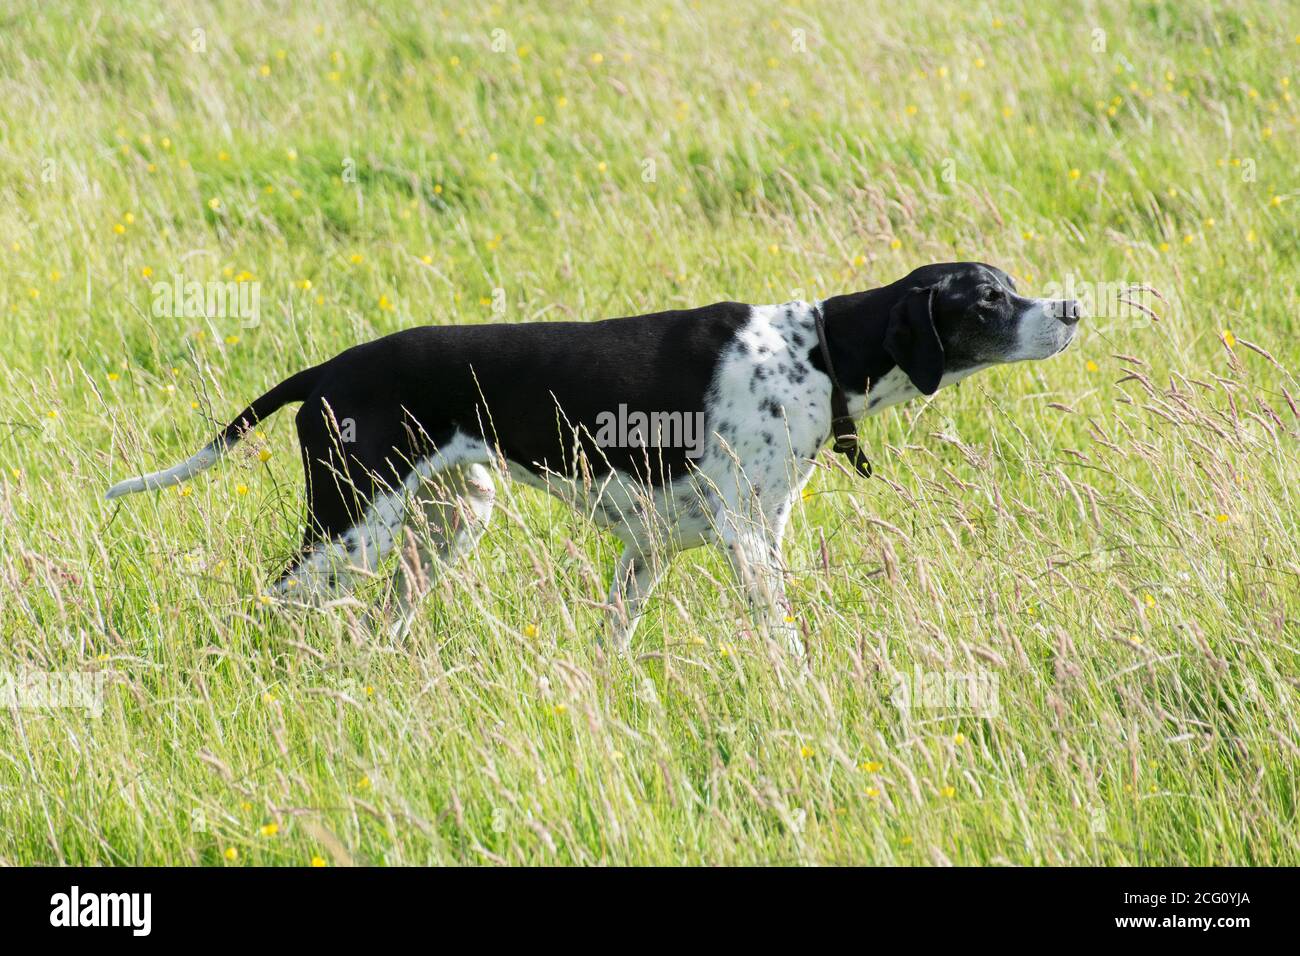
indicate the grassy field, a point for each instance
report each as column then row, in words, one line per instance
column 1106, row 543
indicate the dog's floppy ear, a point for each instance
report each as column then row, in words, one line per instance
column 913, row 342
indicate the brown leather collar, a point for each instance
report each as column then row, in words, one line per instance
column 843, row 427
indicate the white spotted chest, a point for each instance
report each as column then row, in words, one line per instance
column 769, row 407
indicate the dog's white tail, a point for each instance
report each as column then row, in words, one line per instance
column 204, row 459
column 296, row 388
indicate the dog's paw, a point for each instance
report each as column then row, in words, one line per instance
column 385, row 622
column 786, row 633
column 615, row 639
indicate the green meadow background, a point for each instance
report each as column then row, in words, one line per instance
column 1108, row 539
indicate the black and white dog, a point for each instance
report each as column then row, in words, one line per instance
column 413, row 426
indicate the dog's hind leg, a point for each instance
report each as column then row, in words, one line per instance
column 456, row 507
column 330, row 565
column 354, row 514
column 635, row 577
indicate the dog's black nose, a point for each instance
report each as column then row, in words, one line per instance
column 1069, row 311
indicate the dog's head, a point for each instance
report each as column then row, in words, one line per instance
column 954, row 317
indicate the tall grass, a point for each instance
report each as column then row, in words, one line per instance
column 1109, row 539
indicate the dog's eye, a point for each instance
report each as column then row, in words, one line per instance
column 991, row 294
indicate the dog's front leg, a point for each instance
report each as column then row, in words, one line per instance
column 756, row 560
column 635, row 578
